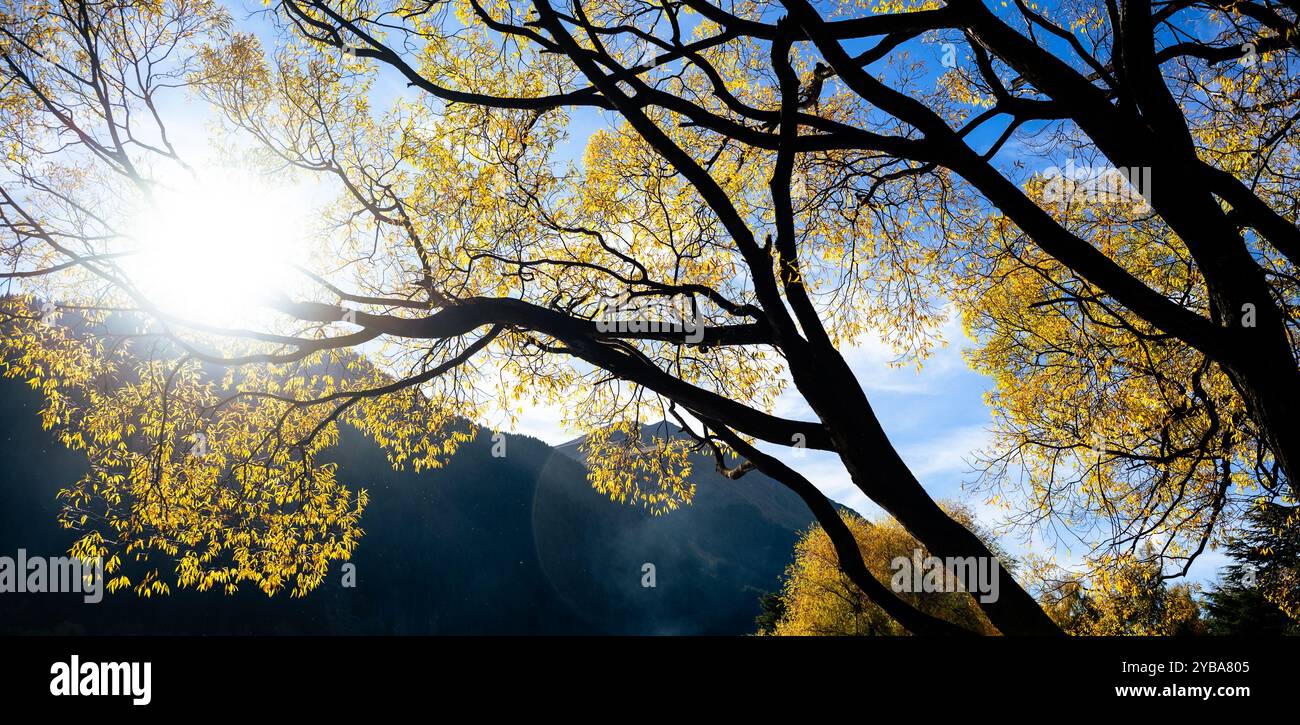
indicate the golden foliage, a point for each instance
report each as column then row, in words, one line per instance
column 1129, row 599
column 818, row 599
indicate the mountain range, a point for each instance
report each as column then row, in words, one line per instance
column 515, row 545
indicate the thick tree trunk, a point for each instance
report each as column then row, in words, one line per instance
column 1273, row 398
column 1258, row 355
column 830, row 387
column 881, row 473
column 847, row 553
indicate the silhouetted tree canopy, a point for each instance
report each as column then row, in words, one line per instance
column 523, row 185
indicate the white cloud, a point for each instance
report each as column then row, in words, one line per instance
column 541, row 422
column 949, row 452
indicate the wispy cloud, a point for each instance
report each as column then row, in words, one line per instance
column 949, row 452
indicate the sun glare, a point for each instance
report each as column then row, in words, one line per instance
column 213, row 248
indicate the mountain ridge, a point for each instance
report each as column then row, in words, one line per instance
column 514, row 545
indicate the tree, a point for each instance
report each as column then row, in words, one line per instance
column 771, row 609
column 1129, row 600
column 784, row 181
column 1115, row 423
column 1132, row 599
column 1259, row 593
column 1234, row 609
column 816, row 597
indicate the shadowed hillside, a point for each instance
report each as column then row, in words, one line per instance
column 511, row 545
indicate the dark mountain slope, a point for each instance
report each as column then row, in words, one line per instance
column 514, row 545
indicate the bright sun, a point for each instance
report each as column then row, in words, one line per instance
column 211, row 249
